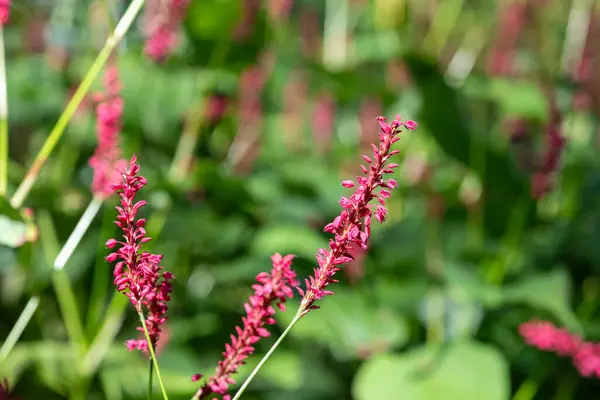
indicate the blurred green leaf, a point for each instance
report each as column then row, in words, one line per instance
column 287, row 239
column 350, row 325
column 549, row 291
column 444, row 117
column 466, row 371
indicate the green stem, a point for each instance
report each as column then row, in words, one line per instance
column 68, row 307
column 19, row 327
column 266, row 357
column 526, row 391
column 151, row 349
column 77, row 234
column 150, row 380
column 56, row 133
column 3, row 120
column 110, row 327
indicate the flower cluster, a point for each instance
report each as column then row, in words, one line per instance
column 545, row 336
column 138, row 274
column 271, row 289
column 106, row 161
column 352, row 228
column 542, row 180
column 162, row 22
column 4, row 11
column 514, row 18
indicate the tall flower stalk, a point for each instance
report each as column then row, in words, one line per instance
column 352, row 228
column 106, row 162
column 162, row 22
column 111, row 43
column 4, row 16
column 137, row 274
column 272, row 289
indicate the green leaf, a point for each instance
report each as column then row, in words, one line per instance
column 466, row 371
column 287, row 239
column 443, row 116
column 520, row 98
column 350, row 325
column 546, row 291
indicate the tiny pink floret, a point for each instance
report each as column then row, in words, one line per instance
column 137, row 274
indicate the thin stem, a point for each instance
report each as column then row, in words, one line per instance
column 151, row 349
column 267, row 356
column 19, row 327
column 150, row 380
column 56, row 133
column 3, row 119
column 77, row 234
column 110, row 327
column 69, row 310
column 526, row 391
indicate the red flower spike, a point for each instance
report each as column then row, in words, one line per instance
column 138, row 275
column 547, row 337
column 272, row 289
column 352, row 228
column 106, row 161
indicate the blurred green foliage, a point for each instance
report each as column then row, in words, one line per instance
column 431, row 312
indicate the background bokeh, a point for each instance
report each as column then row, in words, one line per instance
column 244, row 135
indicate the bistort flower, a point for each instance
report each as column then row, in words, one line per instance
column 352, row 228
column 138, row 274
column 271, row 290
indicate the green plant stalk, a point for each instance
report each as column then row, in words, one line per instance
column 151, row 349
column 56, row 133
column 510, row 244
column 445, row 19
column 19, row 327
column 110, row 327
column 3, row 119
column 266, row 357
column 526, row 391
column 100, row 285
column 68, row 307
column 80, row 229
column 150, row 380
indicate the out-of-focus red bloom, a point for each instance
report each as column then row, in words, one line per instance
column 547, row 337
column 513, row 20
column 272, row 289
column 4, row 11
column 352, row 228
column 542, row 180
column 323, row 121
column 162, row 22
column 245, row 26
column 106, row 161
column 5, row 391
column 138, row 274
column 280, row 9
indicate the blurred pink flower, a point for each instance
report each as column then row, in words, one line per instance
column 323, row 121
column 162, row 23
column 542, row 180
column 280, row 9
column 138, row 274
column 106, row 161
column 547, row 337
column 513, row 20
column 272, row 289
column 245, row 27
column 352, row 228
column 4, row 11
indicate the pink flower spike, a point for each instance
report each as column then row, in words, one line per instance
column 138, row 275
column 106, row 160
column 273, row 289
column 4, row 11
column 352, row 228
column 547, row 337
column 162, row 22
